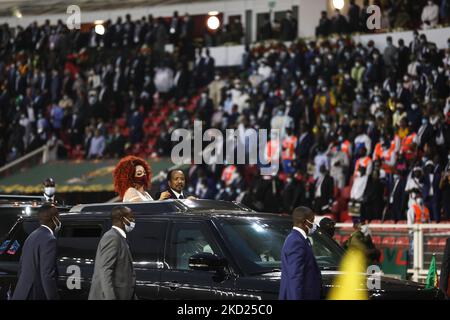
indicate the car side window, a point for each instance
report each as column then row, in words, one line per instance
column 79, row 240
column 147, row 243
column 188, row 239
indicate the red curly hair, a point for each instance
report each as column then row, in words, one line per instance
column 123, row 174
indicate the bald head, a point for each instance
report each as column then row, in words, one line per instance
column 47, row 214
column 300, row 215
column 118, row 214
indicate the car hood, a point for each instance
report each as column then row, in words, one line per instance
column 389, row 288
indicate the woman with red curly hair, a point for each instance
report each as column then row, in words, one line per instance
column 131, row 179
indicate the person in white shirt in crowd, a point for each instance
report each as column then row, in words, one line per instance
column 430, row 15
column 281, row 120
column 417, row 211
column 339, row 165
column 264, row 69
column 357, row 192
column 414, row 184
column 362, row 140
column 163, row 79
column 215, row 90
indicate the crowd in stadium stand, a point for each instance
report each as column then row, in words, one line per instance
column 403, row 14
column 364, row 131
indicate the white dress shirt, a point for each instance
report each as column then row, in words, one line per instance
column 122, row 233
column 178, row 194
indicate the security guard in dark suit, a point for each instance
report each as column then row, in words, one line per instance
column 38, row 273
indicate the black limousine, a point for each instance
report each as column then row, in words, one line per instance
column 188, row 249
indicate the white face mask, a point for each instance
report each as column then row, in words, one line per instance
column 129, row 228
column 58, row 224
column 312, row 229
column 49, row 191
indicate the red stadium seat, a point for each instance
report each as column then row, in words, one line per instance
column 375, row 222
column 376, row 240
column 442, row 242
column 388, row 241
column 433, row 242
column 402, row 223
column 389, row 222
column 402, row 242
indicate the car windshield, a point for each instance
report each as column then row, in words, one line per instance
column 257, row 244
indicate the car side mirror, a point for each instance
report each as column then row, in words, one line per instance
column 206, row 261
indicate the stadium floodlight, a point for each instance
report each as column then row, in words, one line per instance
column 213, row 13
column 213, row 23
column 338, row 4
column 100, row 29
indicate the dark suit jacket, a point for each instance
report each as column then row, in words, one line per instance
column 444, row 281
column 300, row 274
column 172, row 195
column 427, row 185
column 114, row 277
column 38, row 273
column 327, row 192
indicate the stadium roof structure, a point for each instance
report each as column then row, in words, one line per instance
column 41, row 7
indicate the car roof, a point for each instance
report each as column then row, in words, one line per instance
column 25, row 201
column 170, row 208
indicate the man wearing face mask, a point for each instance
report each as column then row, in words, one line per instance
column 38, row 273
column 300, row 274
column 418, row 212
column 362, row 238
column 49, row 190
column 114, row 276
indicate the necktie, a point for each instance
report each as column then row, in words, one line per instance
column 309, row 242
column 181, row 196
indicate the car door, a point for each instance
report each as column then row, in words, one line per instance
column 77, row 246
column 147, row 248
column 10, row 252
column 178, row 281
